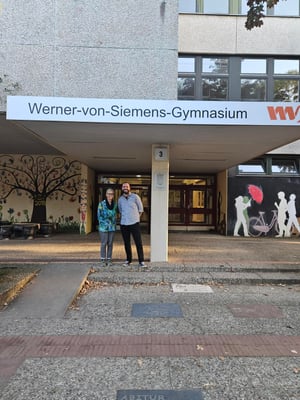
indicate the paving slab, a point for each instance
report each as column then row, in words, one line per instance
column 50, row 293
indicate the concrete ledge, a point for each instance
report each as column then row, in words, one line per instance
column 14, row 282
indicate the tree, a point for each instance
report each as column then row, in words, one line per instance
column 256, row 12
column 39, row 178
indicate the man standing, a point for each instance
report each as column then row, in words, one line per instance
column 131, row 208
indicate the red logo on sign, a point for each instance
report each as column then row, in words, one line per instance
column 283, row 113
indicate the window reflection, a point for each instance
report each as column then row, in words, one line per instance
column 186, row 87
column 284, row 167
column 286, row 90
column 235, row 78
column 253, row 89
column 214, row 89
column 215, row 65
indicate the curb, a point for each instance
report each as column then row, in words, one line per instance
column 8, row 295
column 129, row 276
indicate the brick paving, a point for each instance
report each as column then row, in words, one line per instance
column 15, row 349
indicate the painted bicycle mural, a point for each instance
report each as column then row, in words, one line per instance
column 263, row 214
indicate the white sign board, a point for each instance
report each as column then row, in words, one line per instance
column 64, row 109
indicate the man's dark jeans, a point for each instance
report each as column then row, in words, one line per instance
column 135, row 231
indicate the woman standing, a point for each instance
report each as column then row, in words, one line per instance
column 107, row 219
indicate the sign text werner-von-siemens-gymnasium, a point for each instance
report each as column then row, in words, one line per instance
column 151, row 111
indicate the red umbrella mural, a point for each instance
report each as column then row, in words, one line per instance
column 256, row 193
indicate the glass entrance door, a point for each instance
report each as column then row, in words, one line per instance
column 191, row 205
column 192, row 199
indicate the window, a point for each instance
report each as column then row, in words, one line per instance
column 186, row 87
column 253, row 66
column 206, row 6
column 186, row 64
column 252, row 167
column 187, row 79
column 284, row 167
column 215, row 7
column 270, row 165
column 286, row 87
column 288, row 8
column 214, row 89
column 187, row 6
column 286, row 67
column 238, row 79
column 253, row 89
column 286, row 90
column 215, row 65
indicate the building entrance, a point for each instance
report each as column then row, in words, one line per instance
column 192, row 201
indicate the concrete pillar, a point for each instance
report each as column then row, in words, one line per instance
column 159, row 203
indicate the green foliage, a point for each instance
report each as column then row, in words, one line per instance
column 256, row 14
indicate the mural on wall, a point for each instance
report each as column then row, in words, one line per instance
column 261, row 208
column 83, row 205
column 292, row 216
column 39, row 178
column 242, row 218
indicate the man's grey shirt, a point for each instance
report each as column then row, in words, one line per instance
column 130, row 208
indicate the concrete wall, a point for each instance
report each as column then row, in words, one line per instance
column 108, row 49
column 292, row 148
column 213, row 34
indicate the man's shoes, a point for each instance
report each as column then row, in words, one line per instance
column 109, row 263
column 126, row 264
column 142, row 265
column 102, row 263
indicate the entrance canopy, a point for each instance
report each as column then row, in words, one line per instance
column 116, row 135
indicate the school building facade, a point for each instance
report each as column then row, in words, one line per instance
column 200, row 115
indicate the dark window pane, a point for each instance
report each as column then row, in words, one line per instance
column 286, row 90
column 214, row 89
column 253, row 89
column 284, row 167
column 186, row 87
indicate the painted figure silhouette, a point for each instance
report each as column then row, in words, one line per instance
column 282, row 209
column 291, row 209
column 241, row 205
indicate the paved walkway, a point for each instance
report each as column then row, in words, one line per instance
column 51, row 293
column 239, row 341
column 184, row 248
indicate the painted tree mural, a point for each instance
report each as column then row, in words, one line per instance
column 39, row 178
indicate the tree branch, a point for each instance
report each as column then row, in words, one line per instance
column 256, row 14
